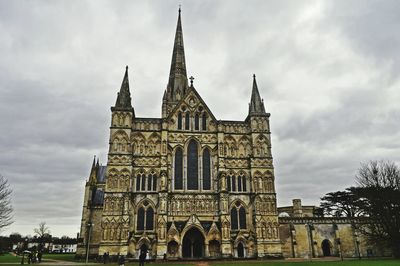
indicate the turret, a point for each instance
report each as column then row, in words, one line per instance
column 124, row 101
column 256, row 106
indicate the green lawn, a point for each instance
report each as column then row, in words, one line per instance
column 8, row 258
column 55, row 256
column 365, row 262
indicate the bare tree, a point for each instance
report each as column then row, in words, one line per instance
column 5, row 203
column 42, row 231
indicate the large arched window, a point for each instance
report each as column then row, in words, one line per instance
column 192, row 166
column 178, row 169
column 234, row 219
column 196, row 122
column 204, row 122
column 140, row 219
column 179, row 120
column 206, row 170
column 187, row 121
column 145, row 217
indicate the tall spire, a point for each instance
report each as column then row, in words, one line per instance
column 177, row 83
column 256, row 104
column 124, row 96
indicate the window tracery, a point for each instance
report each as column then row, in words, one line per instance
column 145, row 217
column 238, row 217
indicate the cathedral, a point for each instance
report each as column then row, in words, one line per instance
column 185, row 185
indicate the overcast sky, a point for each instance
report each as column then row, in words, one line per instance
column 328, row 72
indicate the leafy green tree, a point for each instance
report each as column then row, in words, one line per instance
column 341, row 204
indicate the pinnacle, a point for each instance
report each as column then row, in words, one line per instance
column 124, row 95
column 256, row 103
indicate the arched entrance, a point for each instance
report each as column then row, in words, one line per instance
column 193, row 244
column 172, row 249
column 144, row 249
column 326, row 248
column 214, row 248
column 240, row 250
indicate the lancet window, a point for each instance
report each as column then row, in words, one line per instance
column 146, row 183
column 179, row 120
column 187, row 121
column 206, row 170
column 204, row 122
column 238, row 217
column 236, row 183
column 192, row 166
column 196, row 122
column 178, row 169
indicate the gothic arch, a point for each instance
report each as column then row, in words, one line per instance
column 238, row 201
column 200, row 228
column 150, row 202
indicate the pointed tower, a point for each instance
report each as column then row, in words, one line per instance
column 263, row 185
column 93, row 172
column 118, row 172
column 124, row 101
column 177, row 82
column 256, row 106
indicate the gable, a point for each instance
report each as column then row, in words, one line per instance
column 192, row 103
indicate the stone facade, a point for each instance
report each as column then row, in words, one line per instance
column 186, row 185
column 304, row 235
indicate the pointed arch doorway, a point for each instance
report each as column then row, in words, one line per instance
column 193, row 244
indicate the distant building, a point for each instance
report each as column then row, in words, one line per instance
column 304, row 234
column 63, row 245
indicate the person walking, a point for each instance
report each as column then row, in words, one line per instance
column 142, row 258
column 121, row 260
column 39, row 256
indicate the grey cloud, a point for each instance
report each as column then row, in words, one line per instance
column 327, row 71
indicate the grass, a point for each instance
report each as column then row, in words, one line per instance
column 8, row 258
column 365, row 262
column 55, row 256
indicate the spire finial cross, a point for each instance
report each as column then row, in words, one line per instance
column 179, row 8
column 191, row 81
